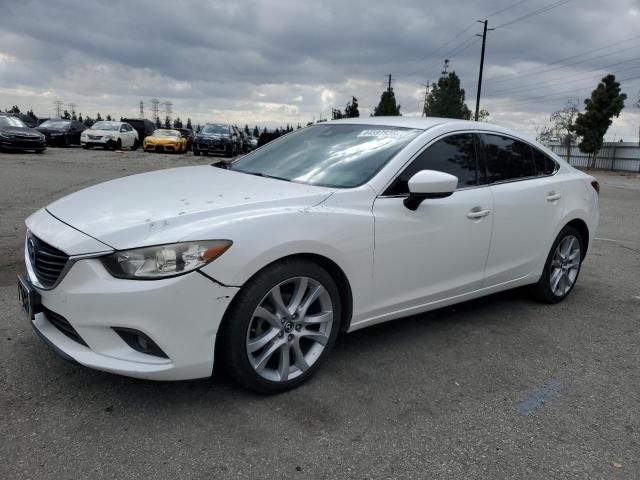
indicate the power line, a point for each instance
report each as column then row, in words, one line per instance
column 554, row 81
column 534, row 13
column 505, row 9
column 500, row 78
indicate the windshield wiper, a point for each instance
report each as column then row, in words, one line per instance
column 260, row 174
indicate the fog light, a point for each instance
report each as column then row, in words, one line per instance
column 139, row 341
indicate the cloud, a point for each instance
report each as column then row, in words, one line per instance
column 274, row 61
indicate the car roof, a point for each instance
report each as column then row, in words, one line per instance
column 425, row 123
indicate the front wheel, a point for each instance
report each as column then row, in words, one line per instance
column 562, row 267
column 281, row 326
column 135, row 145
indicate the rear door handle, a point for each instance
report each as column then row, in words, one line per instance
column 553, row 196
column 477, row 213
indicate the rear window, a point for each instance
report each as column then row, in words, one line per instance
column 507, row 158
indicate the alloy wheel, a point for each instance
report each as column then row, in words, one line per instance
column 289, row 329
column 565, row 265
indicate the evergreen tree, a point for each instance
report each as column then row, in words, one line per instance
column 246, row 129
column 387, row 105
column 98, row 117
column 336, row 114
column 80, row 118
column 31, row 114
column 13, row 109
column 265, row 130
column 108, row 117
column 446, row 99
column 88, row 121
column 167, row 122
column 256, row 131
column 351, row 111
column 66, row 115
column 605, row 103
column 158, row 123
column 189, row 124
column 177, row 123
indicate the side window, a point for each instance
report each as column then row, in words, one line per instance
column 455, row 154
column 507, row 159
column 544, row 164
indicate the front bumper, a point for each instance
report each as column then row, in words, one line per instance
column 181, row 315
column 22, row 144
column 160, row 147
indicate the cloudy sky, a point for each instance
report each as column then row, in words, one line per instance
column 273, row 62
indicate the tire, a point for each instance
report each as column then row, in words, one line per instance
column 557, row 270
column 135, row 145
column 67, row 142
column 41, row 151
column 280, row 335
column 118, row 145
column 86, row 147
column 196, row 153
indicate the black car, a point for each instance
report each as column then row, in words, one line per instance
column 28, row 120
column 217, row 138
column 143, row 126
column 62, row 132
column 188, row 134
column 15, row 135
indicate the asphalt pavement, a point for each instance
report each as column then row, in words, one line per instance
column 497, row 388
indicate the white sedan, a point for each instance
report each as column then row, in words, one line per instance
column 111, row 135
column 328, row 229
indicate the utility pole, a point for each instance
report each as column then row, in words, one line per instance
column 142, row 109
column 484, row 41
column 445, row 68
column 426, row 94
column 389, row 87
column 155, row 113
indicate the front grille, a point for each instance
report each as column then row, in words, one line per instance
column 47, row 261
column 63, row 325
column 95, row 137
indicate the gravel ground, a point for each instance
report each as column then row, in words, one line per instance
column 500, row 387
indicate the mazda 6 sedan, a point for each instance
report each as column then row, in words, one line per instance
column 328, row 229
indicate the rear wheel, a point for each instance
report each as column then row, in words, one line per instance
column 281, row 326
column 562, row 267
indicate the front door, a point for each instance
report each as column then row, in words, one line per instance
column 439, row 250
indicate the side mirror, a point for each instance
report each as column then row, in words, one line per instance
column 429, row 184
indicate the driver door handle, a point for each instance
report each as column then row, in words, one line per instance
column 477, row 212
column 553, row 196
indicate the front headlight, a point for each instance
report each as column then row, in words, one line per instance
column 110, row 137
column 161, row 261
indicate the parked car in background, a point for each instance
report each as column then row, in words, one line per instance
column 110, row 135
column 143, row 126
column 62, row 133
column 41, row 120
column 217, row 138
column 28, row 120
column 165, row 140
column 16, row 135
column 331, row 228
column 187, row 134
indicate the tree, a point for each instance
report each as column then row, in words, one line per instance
column 351, row 111
column 108, row 117
column 446, row 99
column 177, row 123
column 88, row 121
column 80, row 118
column 189, row 126
column 167, row 122
column 13, row 109
column 31, row 114
column 66, row 115
column 256, row 131
column 336, row 114
column 246, row 129
column 158, row 123
column 483, row 115
column 98, row 117
column 387, row 105
column 605, row 103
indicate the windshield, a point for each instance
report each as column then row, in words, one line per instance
column 166, row 133
column 334, row 155
column 113, row 126
column 62, row 124
column 221, row 129
column 11, row 122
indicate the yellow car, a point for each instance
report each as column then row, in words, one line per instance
column 165, row 140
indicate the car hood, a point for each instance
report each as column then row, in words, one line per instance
column 100, row 132
column 50, row 130
column 176, row 204
column 21, row 130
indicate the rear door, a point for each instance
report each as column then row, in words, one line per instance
column 527, row 206
column 439, row 250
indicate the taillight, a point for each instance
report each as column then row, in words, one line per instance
column 596, row 186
